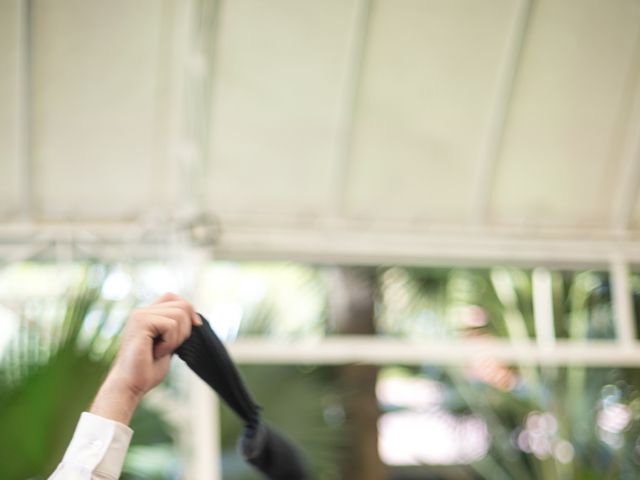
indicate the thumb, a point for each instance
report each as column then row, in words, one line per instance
column 166, row 339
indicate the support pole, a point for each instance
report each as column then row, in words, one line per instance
column 23, row 158
column 621, row 296
column 543, row 309
column 205, row 427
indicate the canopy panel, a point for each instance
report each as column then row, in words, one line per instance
column 412, row 115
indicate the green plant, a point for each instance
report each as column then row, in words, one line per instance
column 50, row 372
column 48, row 375
column 303, row 402
column 568, row 401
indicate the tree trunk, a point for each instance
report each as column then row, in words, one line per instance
column 352, row 302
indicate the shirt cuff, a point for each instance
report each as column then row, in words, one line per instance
column 99, row 445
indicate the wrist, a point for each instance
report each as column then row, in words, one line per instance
column 116, row 401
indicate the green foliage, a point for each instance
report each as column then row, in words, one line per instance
column 50, row 373
column 570, row 398
column 302, row 402
column 47, row 377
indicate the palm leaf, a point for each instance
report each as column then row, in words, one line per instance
column 47, row 377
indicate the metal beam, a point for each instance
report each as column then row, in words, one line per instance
column 622, row 310
column 349, row 243
column 356, row 49
column 169, row 104
column 24, row 110
column 204, row 431
column 198, row 104
column 360, row 245
column 207, row 460
column 629, row 179
column 488, row 159
column 543, row 308
column 383, row 351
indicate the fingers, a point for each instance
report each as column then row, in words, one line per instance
column 149, row 339
column 173, row 300
column 165, row 333
column 167, row 322
column 166, row 297
column 170, row 333
column 194, row 318
column 180, row 317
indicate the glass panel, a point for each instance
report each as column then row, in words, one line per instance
column 60, row 323
column 284, row 300
column 269, row 299
column 582, row 305
column 305, row 403
column 634, row 283
column 497, row 302
column 457, row 302
column 483, row 421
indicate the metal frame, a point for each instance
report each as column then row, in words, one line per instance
column 543, row 309
column 24, row 160
column 351, row 242
column 382, row 351
column 622, row 307
column 488, row 160
column 204, row 16
column 367, row 244
column 204, row 431
column 630, row 156
column 356, row 50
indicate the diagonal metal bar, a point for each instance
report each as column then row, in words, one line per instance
column 356, row 50
column 629, row 179
column 488, row 159
column 24, row 112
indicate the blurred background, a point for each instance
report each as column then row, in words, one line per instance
column 414, row 222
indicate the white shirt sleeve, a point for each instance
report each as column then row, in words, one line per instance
column 96, row 451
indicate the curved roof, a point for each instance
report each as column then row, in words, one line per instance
column 464, row 119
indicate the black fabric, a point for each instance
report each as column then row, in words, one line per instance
column 261, row 445
column 271, row 453
column 208, row 358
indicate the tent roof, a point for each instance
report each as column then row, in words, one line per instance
column 403, row 116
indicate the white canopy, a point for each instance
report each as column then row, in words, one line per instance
column 340, row 127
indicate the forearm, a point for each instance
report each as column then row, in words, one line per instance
column 115, row 401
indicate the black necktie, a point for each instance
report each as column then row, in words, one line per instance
column 261, row 445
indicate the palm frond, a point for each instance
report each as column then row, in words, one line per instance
column 48, row 376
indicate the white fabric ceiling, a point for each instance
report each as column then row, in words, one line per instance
column 411, row 113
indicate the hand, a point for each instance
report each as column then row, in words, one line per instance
column 148, row 342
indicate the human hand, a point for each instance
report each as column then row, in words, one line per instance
column 148, row 342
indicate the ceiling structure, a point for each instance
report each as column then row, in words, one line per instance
column 400, row 131
column 342, row 130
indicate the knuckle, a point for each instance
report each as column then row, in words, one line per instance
column 178, row 317
column 167, row 296
column 184, row 305
column 176, row 324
